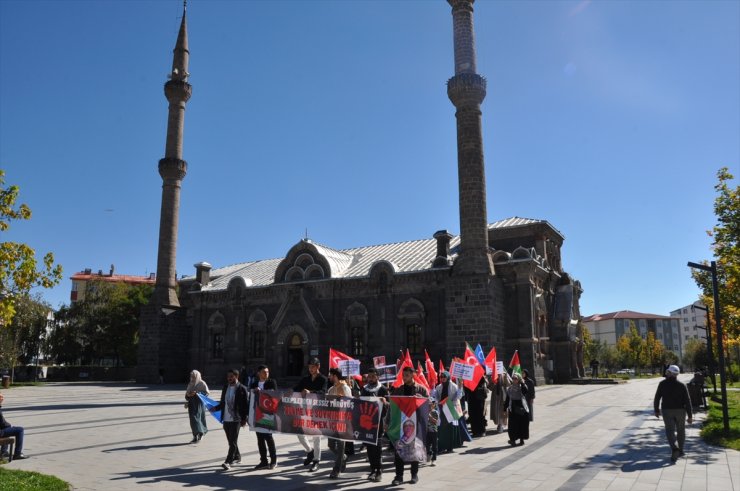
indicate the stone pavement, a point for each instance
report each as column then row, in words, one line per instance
column 123, row 436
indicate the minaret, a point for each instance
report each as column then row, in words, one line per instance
column 467, row 90
column 172, row 168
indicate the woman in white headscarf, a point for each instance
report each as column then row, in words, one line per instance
column 516, row 405
column 499, row 414
column 196, row 411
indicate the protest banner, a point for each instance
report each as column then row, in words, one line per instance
column 343, row 418
column 387, row 373
column 378, row 361
column 349, row 367
column 500, row 367
column 462, row 370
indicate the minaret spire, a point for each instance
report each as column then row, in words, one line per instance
column 172, row 168
column 467, row 90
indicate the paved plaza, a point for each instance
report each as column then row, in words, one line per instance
column 126, row 436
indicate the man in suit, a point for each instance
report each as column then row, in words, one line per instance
column 264, row 436
column 234, row 407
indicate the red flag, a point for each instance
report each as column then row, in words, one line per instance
column 491, row 363
column 336, row 356
column 419, row 377
column 406, row 362
column 441, row 367
column 478, row 371
column 431, row 374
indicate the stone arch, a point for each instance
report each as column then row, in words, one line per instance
column 314, row 272
column 292, row 345
column 500, row 257
column 304, row 260
column 521, row 253
column 295, row 273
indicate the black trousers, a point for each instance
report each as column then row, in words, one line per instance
column 265, row 441
column 231, row 428
column 399, row 466
column 375, row 455
column 432, row 444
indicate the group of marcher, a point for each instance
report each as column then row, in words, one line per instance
column 511, row 410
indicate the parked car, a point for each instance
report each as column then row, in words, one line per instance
column 626, row 371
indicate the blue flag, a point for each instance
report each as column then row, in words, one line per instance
column 209, row 404
column 480, row 355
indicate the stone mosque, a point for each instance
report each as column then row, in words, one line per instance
column 499, row 284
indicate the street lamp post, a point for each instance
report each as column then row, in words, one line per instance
column 718, row 320
column 710, row 351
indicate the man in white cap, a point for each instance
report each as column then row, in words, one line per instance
column 676, row 409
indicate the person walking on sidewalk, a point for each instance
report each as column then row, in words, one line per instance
column 676, row 410
column 196, row 410
column 265, row 440
column 373, row 388
column 233, row 407
column 339, row 388
column 314, row 383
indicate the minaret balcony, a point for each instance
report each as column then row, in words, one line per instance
column 466, row 89
column 177, row 91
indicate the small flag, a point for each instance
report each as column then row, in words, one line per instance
column 451, row 410
column 515, row 366
column 419, row 377
column 491, row 364
column 478, row 371
column 209, row 405
column 431, row 374
column 479, row 354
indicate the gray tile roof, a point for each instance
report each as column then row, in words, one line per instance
column 407, row 257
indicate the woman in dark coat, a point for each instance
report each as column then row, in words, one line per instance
column 516, row 404
column 530, row 383
column 476, row 400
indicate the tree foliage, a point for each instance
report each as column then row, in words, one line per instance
column 726, row 247
column 19, row 269
column 637, row 352
column 103, row 327
column 22, row 340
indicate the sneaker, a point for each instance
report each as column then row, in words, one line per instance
column 226, row 466
column 238, row 459
column 344, row 463
column 261, row 465
column 309, row 458
column 194, row 440
column 414, row 479
column 273, row 463
column 20, row 456
column 397, row 481
column 378, row 476
column 334, row 474
column 314, row 466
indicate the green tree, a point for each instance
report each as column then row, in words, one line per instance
column 631, row 348
column 19, row 269
column 102, row 327
column 695, row 354
column 726, row 248
column 21, row 340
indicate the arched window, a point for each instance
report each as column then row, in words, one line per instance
column 413, row 338
column 216, row 331
column 358, row 341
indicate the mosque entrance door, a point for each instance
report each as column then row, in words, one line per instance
column 295, row 354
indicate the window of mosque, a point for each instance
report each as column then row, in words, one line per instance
column 358, row 341
column 258, row 344
column 218, row 345
column 413, row 338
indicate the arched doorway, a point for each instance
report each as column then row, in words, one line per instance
column 295, row 356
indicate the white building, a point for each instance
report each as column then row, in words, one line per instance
column 610, row 327
column 692, row 322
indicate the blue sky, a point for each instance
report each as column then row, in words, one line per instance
column 608, row 119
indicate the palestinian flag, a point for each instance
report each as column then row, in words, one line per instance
column 451, row 409
column 431, row 374
column 515, row 366
column 408, row 427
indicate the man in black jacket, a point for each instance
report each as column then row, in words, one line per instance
column 676, row 409
column 234, row 408
column 408, row 388
column 315, row 383
column 264, row 437
column 6, row 429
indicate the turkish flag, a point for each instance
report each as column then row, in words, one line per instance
column 491, row 363
column 406, row 362
column 419, row 377
column 336, row 356
column 478, row 372
column 431, row 374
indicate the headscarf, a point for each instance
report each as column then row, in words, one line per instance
column 515, row 391
column 197, row 384
column 445, row 386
